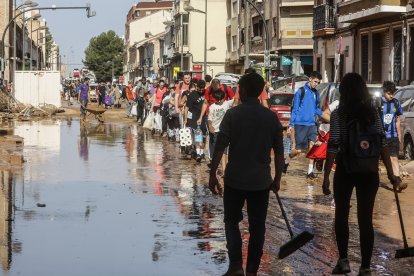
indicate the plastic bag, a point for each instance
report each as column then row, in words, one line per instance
column 149, row 121
column 134, row 109
column 158, row 122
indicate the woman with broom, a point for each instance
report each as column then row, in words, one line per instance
column 357, row 142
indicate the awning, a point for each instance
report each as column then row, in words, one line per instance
column 371, row 14
column 286, row 60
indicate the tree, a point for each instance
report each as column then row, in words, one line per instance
column 104, row 55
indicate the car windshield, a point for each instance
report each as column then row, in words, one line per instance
column 281, row 99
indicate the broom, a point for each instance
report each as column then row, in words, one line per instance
column 406, row 251
column 295, row 242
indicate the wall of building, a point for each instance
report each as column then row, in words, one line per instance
column 216, row 34
column 150, row 24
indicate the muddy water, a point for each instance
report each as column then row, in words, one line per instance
column 121, row 202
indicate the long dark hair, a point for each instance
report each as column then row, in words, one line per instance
column 355, row 100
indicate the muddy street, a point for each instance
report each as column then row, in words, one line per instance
column 111, row 199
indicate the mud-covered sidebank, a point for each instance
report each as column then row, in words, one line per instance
column 118, row 201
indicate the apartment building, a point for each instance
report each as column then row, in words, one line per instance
column 190, row 52
column 289, row 25
column 144, row 31
column 371, row 37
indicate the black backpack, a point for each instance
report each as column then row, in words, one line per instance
column 362, row 149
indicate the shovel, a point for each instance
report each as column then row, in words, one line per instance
column 406, row 251
column 295, row 242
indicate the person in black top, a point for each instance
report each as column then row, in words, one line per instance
column 102, row 93
column 192, row 111
column 252, row 131
column 355, row 104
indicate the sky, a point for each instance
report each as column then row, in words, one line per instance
column 72, row 30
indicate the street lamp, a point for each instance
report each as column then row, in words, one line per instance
column 192, row 9
column 87, row 7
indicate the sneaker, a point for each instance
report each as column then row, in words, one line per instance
column 311, row 176
column 238, row 272
column 293, row 153
column 285, row 168
column 342, row 267
column 364, row 272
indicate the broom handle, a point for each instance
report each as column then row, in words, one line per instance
column 284, row 214
column 401, row 218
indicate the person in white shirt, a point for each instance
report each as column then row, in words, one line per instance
column 215, row 116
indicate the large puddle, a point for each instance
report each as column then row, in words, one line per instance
column 116, row 204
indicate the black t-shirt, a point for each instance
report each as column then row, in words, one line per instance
column 194, row 103
column 102, row 90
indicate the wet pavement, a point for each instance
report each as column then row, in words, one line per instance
column 118, row 201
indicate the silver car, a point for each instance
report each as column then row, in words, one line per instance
column 406, row 97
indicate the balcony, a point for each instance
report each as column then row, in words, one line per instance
column 357, row 11
column 323, row 20
column 296, row 3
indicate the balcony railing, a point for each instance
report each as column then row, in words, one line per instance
column 323, row 17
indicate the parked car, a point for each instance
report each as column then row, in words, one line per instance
column 328, row 93
column 293, row 82
column 93, row 97
column 406, row 97
column 280, row 102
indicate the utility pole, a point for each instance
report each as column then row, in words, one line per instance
column 246, row 34
column 205, row 39
column 182, row 44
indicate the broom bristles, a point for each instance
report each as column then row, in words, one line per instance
column 404, row 253
column 294, row 244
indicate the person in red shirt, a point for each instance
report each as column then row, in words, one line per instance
column 209, row 98
column 158, row 95
column 129, row 93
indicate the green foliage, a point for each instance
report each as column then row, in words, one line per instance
column 49, row 43
column 104, row 53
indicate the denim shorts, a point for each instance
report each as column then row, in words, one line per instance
column 304, row 135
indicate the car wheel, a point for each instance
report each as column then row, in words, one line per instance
column 408, row 149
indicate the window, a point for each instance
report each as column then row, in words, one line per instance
column 185, row 28
column 275, row 26
column 234, row 43
column 242, row 37
column 234, row 8
column 364, row 56
column 258, row 28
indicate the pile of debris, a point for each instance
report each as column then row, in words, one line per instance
column 42, row 111
column 11, row 108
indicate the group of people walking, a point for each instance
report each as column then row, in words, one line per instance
column 241, row 132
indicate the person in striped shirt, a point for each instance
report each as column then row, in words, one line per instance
column 390, row 112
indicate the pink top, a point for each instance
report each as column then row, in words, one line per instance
column 159, row 93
